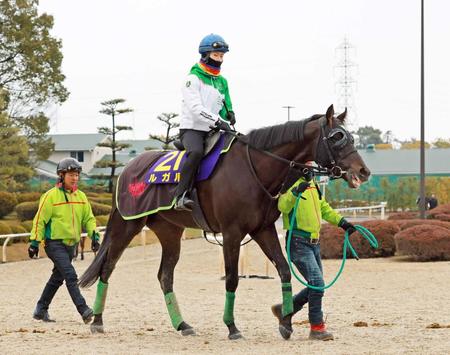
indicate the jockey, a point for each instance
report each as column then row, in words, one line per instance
column 305, row 246
column 206, row 103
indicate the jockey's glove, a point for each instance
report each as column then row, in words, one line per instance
column 222, row 125
column 347, row 226
column 95, row 241
column 33, row 249
column 300, row 188
column 231, row 118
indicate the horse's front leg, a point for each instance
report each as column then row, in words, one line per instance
column 231, row 249
column 267, row 239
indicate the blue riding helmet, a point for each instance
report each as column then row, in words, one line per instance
column 212, row 43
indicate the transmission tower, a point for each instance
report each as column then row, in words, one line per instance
column 345, row 71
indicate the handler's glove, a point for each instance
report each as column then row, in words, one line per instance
column 231, row 118
column 300, row 188
column 347, row 226
column 33, row 249
column 222, row 125
column 95, row 242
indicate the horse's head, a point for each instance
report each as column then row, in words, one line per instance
column 336, row 150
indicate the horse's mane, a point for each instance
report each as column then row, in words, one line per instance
column 273, row 136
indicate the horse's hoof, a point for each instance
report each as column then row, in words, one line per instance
column 285, row 332
column 188, row 331
column 235, row 336
column 97, row 328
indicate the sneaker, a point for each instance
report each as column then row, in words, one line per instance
column 319, row 332
column 184, row 203
column 87, row 315
column 43, row 316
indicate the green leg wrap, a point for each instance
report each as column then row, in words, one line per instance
column 288, row 303
column 174, row 310
column 228, row 313
column 100, row 298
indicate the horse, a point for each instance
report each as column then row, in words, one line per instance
column 240, row 198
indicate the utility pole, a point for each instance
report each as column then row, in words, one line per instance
column 288, row 111
column 422, row 203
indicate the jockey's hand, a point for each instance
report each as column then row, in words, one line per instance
column 300, row 188
column 95, row 242
column 33, row 249
column 231, row 118
column 347, row 226
column 222, row 125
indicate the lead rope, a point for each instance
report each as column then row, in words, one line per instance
column 364, row 232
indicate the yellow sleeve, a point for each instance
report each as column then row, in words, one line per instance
column 328, row 213
column 287, row 201
column 42, row 217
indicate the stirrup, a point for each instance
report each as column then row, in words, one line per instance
column 184, row 203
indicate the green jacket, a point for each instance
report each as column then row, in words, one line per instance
column 219, row 83
column 310, row 212
column 58, row 218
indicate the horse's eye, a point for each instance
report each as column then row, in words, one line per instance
column 337, row 136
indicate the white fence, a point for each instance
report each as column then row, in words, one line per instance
column 355, row 210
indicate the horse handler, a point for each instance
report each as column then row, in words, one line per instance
column 63, row 210
column 305, row 247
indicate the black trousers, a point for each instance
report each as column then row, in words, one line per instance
column 194, row 143
column 63, row 270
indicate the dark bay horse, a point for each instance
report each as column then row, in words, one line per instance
column 239, row 199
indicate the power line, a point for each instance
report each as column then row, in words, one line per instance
column 288, row 111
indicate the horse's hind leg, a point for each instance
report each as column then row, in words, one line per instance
column 121, row 233
column 267, row 239
column 169, row 236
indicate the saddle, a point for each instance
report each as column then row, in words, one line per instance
column 211, row 140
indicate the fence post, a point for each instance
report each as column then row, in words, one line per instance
column 383, row 206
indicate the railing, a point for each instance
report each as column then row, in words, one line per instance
column 8, row 237
column 381, row 207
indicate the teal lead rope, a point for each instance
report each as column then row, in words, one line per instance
column 364, row 232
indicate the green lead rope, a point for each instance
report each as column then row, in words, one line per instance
column 364, row 232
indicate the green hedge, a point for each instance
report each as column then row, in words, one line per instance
column 101, row 200
column 28, row 196
column 4, row 229
column 102, row 220
column 27, row 210
column 7, row 203
column 100, row 209
column 28, row 225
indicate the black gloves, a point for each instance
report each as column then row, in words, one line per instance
column 300, row 188
column 33, row 250
column 231, row 118
column 347, row 226
column 95, row 244
column 222, row 125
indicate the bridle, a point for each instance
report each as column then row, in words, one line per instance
column 328, row 152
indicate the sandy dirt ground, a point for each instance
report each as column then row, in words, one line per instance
column 397, row 300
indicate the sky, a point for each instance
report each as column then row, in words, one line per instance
column 281, row 53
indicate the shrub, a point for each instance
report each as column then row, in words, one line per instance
column 28, row 196
column 384, row 232
column 403, row 215
column 102, row 220
column 4, row 229
column 331, row 242
column 28, row 225
column 332, row 239
column 441, row 209
column 424, row 242
column 7, row 203
column 443, row 217
column 27, row 210
column 101, row 200
column 407, row 223
column 100, row 209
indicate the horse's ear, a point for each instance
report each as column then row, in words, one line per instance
column 342, row 116
column 329, row 115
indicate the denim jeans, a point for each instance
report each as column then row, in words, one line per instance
column 63, row 270
column 306, row 258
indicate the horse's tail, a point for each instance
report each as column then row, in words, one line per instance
column 94, row 270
